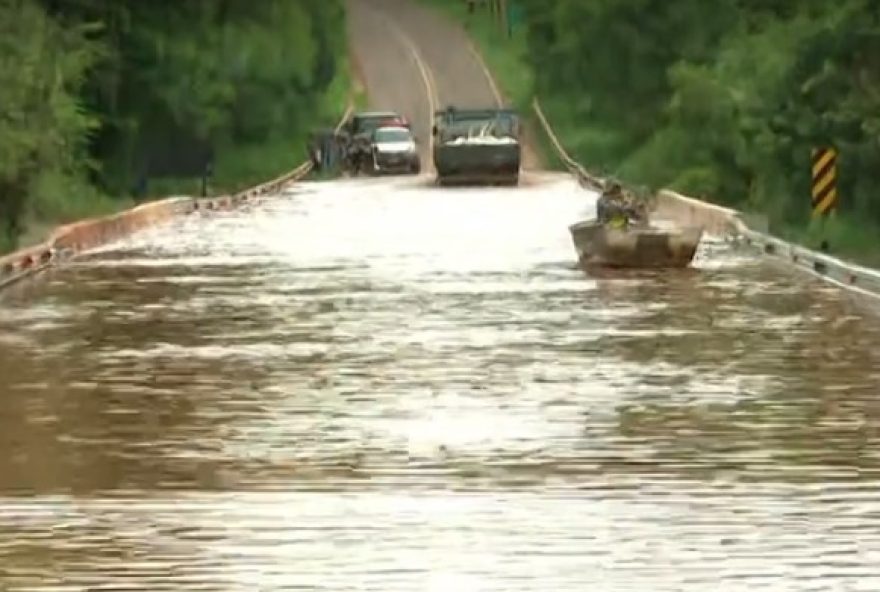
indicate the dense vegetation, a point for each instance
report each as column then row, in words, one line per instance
column 721, row 99
column 102, row 98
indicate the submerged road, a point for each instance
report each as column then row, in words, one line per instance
column 382, row 385
column 375, row 385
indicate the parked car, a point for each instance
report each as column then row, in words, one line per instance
column 394, row 149
column 357, row 136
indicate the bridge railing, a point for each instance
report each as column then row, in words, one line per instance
column 731, row 223
column 69, row 240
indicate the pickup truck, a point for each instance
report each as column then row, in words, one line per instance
column 357, row 136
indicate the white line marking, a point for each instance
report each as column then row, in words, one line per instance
column 499, row 100
column 427, row 79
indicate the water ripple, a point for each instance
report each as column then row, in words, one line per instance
column 381, row 386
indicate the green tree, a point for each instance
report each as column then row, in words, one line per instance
column 720, row 99
column 42, row 123
column 100, row 94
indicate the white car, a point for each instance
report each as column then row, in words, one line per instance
column 395, row 150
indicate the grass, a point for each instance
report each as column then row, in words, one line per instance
column 847, row 238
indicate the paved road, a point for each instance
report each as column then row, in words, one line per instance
column 392, row 75
column 375, row 384
column 414, row 59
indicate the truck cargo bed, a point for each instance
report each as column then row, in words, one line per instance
column 478, row 146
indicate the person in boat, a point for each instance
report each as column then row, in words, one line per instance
column 615, row 209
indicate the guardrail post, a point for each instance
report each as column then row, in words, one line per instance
column 207, row 174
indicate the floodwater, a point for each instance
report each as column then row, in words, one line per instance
column 372, row 385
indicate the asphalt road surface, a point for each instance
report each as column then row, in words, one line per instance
column 415, row 60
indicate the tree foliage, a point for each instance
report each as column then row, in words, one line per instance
column 722, row 99
column 117, row 91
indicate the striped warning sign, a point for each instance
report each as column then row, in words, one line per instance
column 824, row 181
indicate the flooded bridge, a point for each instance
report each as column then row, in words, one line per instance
column 380, row 385
column 383, row 385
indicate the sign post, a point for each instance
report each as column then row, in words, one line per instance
column 207, row 174
column 515, row 16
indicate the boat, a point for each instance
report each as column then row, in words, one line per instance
column 634, row 247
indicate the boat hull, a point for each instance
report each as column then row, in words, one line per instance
column 635, row 248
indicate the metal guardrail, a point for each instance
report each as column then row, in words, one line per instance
column 62, row 245
column 857, row 279
column 269, row 187
column 26, row 262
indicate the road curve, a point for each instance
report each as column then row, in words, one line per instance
column 415, row 59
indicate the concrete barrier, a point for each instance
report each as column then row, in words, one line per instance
column 687, row 211
column 730, row 223
column 70, row 240
column 87, row 234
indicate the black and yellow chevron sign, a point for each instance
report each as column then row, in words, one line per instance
column 824, row 181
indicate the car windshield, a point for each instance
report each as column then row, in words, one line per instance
column 392, row 135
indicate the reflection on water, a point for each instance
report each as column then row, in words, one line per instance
column 374, row 385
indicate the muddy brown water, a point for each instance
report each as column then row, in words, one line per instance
column 372, row 385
